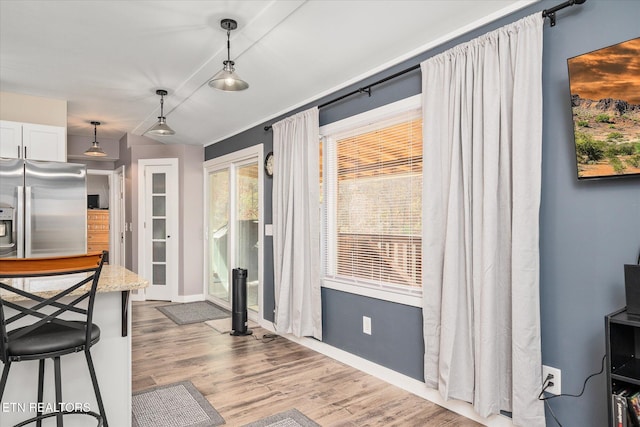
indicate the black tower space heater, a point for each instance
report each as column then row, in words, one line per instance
column 239, row 303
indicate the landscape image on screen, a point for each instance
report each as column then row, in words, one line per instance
column 605, row 101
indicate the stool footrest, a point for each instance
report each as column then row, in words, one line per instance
column 63, row 413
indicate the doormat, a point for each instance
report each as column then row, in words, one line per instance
column 290, row 418
column 224, row 325
column 175, row 405
column 193, row 312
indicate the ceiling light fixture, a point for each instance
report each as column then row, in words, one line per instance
column 161, row 128
column 227, row 79
column 95, row 149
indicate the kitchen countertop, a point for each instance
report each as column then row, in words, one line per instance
column 113, row 278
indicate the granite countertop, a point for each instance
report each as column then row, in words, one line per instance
column 113, row 278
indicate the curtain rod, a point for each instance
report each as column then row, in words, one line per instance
column 547, row 13
column 365, row 89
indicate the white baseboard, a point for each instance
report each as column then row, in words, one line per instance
column 395, row 378
column 189, row 298
column 141, row 296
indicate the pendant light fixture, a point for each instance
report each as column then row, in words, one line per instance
column 95, row 150
column 227, row 79
column 161, row 128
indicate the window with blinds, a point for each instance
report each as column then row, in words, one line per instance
column 372, row 202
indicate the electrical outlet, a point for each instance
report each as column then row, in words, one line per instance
column 366, row 325
column 556, row 380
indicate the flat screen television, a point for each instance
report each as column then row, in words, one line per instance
column 605, row 102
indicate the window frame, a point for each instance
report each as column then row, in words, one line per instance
column 388, row 292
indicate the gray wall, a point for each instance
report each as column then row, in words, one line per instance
column 77, row 145
column 588, row 229
column 132, row 148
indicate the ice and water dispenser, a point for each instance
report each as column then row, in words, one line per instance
column 7, row 230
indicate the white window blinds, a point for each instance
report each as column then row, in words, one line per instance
column 373, row 202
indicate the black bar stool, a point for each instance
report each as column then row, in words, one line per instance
column 51, row 337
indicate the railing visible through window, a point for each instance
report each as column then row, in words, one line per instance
column 373, row 202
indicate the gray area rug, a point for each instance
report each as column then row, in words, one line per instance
column 193, row 312
column 174, row 405
column 290, row 418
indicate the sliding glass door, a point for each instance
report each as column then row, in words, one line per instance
column 246, row 229
column 234, row 226
column 219, row 278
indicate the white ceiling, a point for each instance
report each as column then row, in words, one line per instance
column 107, row 58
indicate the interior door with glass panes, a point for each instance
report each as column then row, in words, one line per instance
column 160, row 228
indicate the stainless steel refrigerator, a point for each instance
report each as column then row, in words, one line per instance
column 42, row 209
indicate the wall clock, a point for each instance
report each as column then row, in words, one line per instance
column 268, row 163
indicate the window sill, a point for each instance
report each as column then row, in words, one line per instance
column 409, row 297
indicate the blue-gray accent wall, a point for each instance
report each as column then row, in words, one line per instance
column 588, row 230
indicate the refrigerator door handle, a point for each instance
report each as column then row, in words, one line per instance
column 27, row 222
column 20, row 220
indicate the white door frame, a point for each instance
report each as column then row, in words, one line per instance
column 172, row 225
column 119, row 209
column 239, row 158
column 116, row 255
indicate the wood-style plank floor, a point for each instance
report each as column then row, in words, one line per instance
column 247, row 379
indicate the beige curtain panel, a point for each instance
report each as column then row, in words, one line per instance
column 482, row 107
column 296, row 225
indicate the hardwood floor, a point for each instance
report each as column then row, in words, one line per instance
column 247, row 379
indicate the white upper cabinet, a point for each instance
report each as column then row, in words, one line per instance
column 11, row 139
column 42, row 142
column 33, row 141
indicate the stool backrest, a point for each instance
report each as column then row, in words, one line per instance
column 84, row 288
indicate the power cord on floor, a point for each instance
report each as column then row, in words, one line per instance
column 548, row 382
column 266, row 337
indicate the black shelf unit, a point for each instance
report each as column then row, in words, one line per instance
column 622, row 332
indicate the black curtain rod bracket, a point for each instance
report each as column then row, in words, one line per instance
column 551, row 13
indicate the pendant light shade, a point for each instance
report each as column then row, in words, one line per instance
column 95, row 150
column 161, row 128
column 227, row 79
